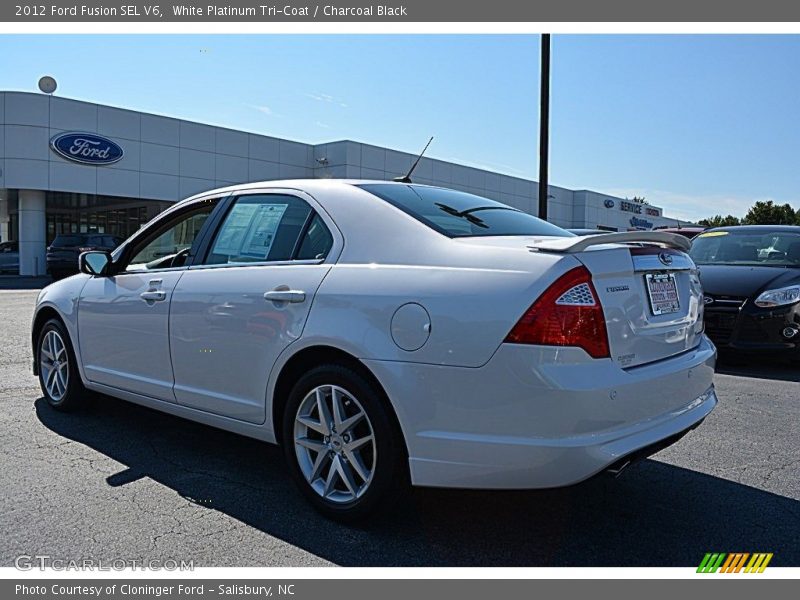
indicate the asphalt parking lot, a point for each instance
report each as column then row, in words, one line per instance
column 123, row 482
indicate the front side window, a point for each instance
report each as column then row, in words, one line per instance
column 169, row 246
column 459, row 214
column 266, row 228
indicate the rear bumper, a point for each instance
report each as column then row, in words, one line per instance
column 536, row 417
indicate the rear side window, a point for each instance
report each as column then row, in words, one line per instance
column 317, row 241
column 459, row 214
column 261, row 228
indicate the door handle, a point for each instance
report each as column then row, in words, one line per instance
column 284, row 295
column 153, row 295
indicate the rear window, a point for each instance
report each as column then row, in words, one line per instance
column 63, row 241
column 86, row 239
column 458, row 214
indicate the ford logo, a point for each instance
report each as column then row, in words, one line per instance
column 608, row 203
column 665, row 258
column 86, row 148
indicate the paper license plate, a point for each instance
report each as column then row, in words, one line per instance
column 663, row 293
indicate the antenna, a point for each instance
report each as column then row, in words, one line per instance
column 47, row 84
column 407, row 177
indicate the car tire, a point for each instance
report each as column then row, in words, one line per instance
column 58, row 372
column 346, row 474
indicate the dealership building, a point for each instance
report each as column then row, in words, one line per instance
column 68, row 166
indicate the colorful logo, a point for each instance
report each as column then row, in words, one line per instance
column 734, row 562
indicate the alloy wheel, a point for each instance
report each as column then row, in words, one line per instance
column 54, row 365
column 335, row 444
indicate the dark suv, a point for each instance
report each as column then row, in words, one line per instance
column 62, row 254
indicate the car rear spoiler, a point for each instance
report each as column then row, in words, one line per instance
column 573, row 245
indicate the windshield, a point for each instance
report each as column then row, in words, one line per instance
column 768, row 248
column 458, row 214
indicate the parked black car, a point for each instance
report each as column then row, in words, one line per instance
column 582, row 232
column 63, row 253
column 687, row 231
column 9, row 257
column 751, row 279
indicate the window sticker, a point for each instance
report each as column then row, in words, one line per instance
column 232, row 233
column 261, row 233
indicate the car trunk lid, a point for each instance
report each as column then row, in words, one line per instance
column 649, row 290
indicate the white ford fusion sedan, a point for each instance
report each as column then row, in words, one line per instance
column 386, row 332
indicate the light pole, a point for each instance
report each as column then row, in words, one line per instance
column 544, row 124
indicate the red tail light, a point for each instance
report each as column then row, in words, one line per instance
column 568, row 313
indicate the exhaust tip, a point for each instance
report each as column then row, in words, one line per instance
column 617, row 468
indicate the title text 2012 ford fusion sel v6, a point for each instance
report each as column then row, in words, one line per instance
column 382, row 332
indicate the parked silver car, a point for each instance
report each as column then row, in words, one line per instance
column 384, row 332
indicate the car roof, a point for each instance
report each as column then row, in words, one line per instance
column 308, row 185
column 83, row 233
column 688, row 228
column 759, row 228
column 587, row 230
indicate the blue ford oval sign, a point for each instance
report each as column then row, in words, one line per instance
column 86, row 148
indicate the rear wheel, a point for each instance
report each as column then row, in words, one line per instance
column 58, row 373
column 340, row 443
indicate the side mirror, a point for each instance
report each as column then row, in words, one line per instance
column 95, row 262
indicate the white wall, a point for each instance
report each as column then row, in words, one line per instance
column 165, row 158
column 169, row 159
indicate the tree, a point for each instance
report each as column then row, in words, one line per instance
column 720, row 221
column 769, row 213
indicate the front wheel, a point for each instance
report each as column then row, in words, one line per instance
column 58, row 372
column 340, row 443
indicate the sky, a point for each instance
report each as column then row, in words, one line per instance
column 700, row 125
